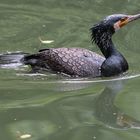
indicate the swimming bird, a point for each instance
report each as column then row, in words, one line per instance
column 82, row 62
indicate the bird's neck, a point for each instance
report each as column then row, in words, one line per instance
column 107, row 48
column 103, row 39
column 115, row 63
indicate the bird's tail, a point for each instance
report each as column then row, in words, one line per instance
column 31, row 59
column 35, row 61
column 14, row 60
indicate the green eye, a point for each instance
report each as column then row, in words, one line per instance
column 123, row 19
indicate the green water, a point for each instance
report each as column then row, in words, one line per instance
column 51, row 107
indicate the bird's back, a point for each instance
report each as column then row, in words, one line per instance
column 72, row 61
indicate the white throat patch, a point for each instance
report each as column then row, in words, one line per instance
column 117, row 26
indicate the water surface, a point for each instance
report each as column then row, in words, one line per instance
column 52, row 107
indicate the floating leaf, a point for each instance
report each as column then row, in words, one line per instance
column 45, row 41
column 25, row 136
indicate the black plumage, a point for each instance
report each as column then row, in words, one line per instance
column 82, row 62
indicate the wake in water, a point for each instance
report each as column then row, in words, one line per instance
column 97, row 80
column 14, row 60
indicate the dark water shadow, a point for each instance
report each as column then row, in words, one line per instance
column 104, row 108
column 80, row 115
column 107, row 112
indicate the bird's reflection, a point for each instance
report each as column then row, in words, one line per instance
column 107, row 112
column 84, row 113
column 103, row 104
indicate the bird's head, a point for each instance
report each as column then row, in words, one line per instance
column 107, row 27
column 119, row 20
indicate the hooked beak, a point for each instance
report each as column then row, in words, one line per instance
column 133, row 17
column 125, row 21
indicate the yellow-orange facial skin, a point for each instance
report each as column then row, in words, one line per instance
column 120, row 23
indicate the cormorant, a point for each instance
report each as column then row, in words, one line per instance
column 82, row 62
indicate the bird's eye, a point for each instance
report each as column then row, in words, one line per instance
column 123, row 19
